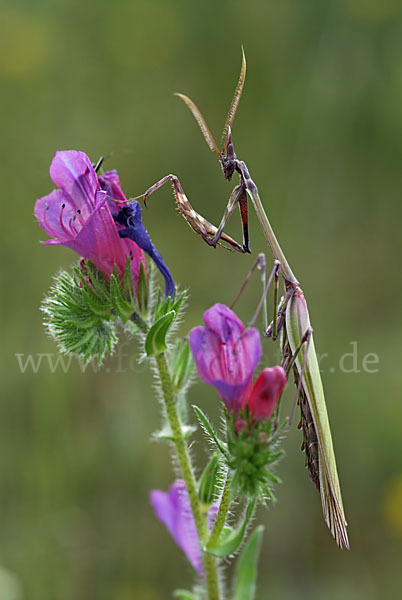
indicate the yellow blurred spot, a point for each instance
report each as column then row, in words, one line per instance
column 392, row 505
column 373, row 9
column 23, row 44
column 143, row 34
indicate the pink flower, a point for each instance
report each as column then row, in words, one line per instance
column 78, row 216
column 174, row 510
column 227, row 356
column 87, row 215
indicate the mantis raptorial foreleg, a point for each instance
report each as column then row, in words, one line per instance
column 198, row 223
column 238, row 197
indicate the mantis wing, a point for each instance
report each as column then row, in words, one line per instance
column 297, row 323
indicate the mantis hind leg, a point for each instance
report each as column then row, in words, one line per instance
column 260, row 265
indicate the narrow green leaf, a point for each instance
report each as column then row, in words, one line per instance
column 178, row 303
column 99, row 309
column 80, row 343
column 166, row 433
column 231, row 539
column 129, row 294
column 268, row 492
column 182, row 364
column 83, row 323
column 123, row 308
column 185, row 595
column 99, row 283
column 209, row 480
column 272, row 476
column 98, row 303
column 165, row 305
column 162, row 306
column 246, row 568
column 155, row 342
column 206, row 425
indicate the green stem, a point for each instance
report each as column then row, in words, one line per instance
column 271, row 238
column 210, row 563
column 139, row 321
column 222, row 514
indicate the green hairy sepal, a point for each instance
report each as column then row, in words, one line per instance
column 163, row 321
column 252, row 451
column 82, row 310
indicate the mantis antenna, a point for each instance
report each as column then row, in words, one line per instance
column 230, row 116
column 235, row 103
column 201, row 122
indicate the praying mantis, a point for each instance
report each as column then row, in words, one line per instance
column 291, row 319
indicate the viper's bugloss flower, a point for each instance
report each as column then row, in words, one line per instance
column 227, row 355
column 80, row 215
column 174, row 510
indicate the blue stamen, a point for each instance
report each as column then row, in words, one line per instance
column 130, row 218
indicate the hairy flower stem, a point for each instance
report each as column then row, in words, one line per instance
column 222, row 514
column 139, row 321
column 210, row 564
column 183, row 457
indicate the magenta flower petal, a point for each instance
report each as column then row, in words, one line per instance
column 72, row 171
column 116, row 200
column 52, row 217
column 174, row 510
column 78, row 216
column 223, row 322
column 96, row 238
column 110, row 183
column 99, row 241
column 265, row 393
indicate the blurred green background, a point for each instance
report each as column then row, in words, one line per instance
column 320, row 127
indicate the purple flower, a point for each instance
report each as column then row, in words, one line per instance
column 174, row 510
column 226, row 357
column 80, row 215
column 225, row 354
